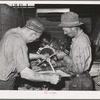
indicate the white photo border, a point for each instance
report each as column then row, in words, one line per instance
column 50, row 94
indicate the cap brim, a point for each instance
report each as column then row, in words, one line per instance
column 69, row 25
column 36, row 30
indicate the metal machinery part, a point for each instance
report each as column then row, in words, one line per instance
column 47, row 50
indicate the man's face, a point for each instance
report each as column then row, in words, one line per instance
column 71, row 32
column 33, row 36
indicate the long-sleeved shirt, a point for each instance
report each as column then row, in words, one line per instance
column 13, row 54
column 80, row 53
column 80, row 56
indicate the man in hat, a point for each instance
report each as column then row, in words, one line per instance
column 14, row 58
column 77, row 63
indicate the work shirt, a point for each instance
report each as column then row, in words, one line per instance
column 80, row 53
column 13, row 54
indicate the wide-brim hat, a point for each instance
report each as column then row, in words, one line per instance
column 70, row 19
column 35, row 25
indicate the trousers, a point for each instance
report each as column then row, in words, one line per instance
column 7, row 85
column 82, row 81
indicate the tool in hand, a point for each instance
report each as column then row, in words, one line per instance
column 45, row 60
column 48, row 60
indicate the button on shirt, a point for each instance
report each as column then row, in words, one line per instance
column 13, row 54
column 80, row 53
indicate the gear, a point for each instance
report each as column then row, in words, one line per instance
column 46, row 50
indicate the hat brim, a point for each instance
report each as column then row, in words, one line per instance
column 70, row 25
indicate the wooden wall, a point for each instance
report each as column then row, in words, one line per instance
column 52, row 20
column 9, row 18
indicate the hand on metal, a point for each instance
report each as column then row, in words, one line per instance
column 48, row 57
column 48, row 60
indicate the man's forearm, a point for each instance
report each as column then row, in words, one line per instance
column 66, row 64
column 34, row 56
column 29, row 74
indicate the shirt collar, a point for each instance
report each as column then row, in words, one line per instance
column 20, row 32
column 79, row 33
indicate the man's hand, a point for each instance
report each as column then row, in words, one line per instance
column 61, row 54
column 44, row 57
column 54, row 63
column 54, row 79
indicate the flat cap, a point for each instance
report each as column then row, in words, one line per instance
column 35, row 24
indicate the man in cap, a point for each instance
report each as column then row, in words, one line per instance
column 14, row 58
column 77, row 63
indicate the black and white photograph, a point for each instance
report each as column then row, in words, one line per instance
column 50, row 47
